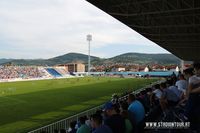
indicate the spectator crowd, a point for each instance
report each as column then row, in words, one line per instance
column 24, row 72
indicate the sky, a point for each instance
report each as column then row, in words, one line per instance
column 31, row 29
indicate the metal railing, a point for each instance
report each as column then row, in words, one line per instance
column 64, row 123
column 141, row 89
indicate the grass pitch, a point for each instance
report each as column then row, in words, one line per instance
column 30, row 104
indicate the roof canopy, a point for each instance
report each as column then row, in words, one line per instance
column 172, row 24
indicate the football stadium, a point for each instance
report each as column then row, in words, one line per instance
column 71, row 98
column 26, row 105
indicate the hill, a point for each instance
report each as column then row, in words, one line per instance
column 2, row 61
column 71, row 57
column 141, row 58
column 136, row 58
column 63, row 59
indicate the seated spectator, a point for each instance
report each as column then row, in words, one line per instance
column 83, row 128
column 143, row 98
column 156, row 95
column 128, row 125
column 146, row 100
column 96, row 123
column 153, row 100
column 187, row 74
column 180, row 88
column 87, row 121
column 182, row 84
column 123, row 106
column 178, row 92
column 136, row 112
column 194, row 81
column 113, row 119
column 168, row 98
column 72, row 127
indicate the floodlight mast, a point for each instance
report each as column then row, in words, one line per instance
column 89, row 38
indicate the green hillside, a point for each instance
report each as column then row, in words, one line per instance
column 140, row 58
column 2, row 61
column 67, row 58
column 136, row 58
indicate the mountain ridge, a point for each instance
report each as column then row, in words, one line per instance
column 136, row 58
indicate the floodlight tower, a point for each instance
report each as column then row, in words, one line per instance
column 89, row 38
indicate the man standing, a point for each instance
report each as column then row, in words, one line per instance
column 193, row 104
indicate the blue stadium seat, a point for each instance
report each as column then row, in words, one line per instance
column 53, row 72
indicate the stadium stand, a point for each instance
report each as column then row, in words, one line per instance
column 44, row 72
column 53, row 72
column 165, row 102
column 123, row 114
column 62, row 71
column 23, row 72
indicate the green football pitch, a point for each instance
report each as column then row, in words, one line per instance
column 30, row 104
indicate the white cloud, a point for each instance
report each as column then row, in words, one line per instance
column 47, row 28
